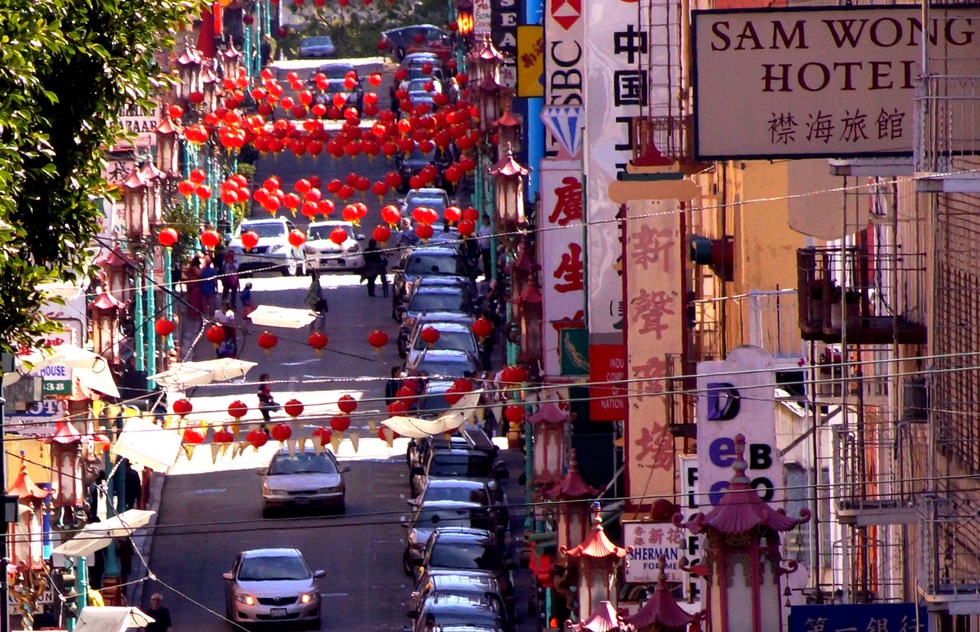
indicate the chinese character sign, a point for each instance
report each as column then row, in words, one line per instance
column 561, row 255
column 825, row 81
column 646, row 543
column 614, row 94
column 652, row 256
column 871, row 617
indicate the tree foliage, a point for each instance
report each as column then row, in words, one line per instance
column 68, row 68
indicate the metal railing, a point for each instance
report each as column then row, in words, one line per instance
column 947, row 123
column 766, row 319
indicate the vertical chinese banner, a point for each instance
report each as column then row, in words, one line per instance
column 655, row 332
column 560, row 253
column 615, row 90
column 503, row 33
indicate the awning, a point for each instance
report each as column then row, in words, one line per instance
column 271, row 316
column 97, row 535
column 456, row 416
column 111, row 619
column 147, row 444
column 82, row 546
column 74, row 357
column 185, row 374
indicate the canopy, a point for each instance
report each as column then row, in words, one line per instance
column 183, row 374
column 271, row 316
column 89, row 368
column 98, row 535
column 143, row 442
column 456, row 416
column 111, row 619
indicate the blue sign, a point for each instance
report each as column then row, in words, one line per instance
column 872, row 617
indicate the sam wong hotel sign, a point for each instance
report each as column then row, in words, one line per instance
column 831, row 82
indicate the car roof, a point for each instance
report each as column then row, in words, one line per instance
column 317, row 38
column 267, row 220
column 436, row 505
column 447, row 354
column 437, row 289
column 446, row 317
column 467, row 483
column 444, row 326
column 434, row 250
column 346, row 65
column 251, row 553
column 332, row 222
column 448, row 581
column 461, row 534
column 427, row 192
column 444, row 280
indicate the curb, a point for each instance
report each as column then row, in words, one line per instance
column 143, row 542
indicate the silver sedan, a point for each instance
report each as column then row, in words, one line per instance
column 272, row 586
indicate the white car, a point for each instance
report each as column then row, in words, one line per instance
column 272, row 586
column 303, row 480
column 323, row 253
column 452, row 335
column 272, row 250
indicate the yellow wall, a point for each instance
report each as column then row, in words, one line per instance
column 37, row 456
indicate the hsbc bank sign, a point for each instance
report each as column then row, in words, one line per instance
column 564, row 63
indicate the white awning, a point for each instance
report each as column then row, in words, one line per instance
column 111, row 619
column 272, row 316
column 147, row 444
column 97, row 535
column 185, row 374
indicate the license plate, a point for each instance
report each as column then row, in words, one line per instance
column 302, row 501
column 277, row 612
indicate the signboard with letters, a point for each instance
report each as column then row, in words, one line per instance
column 503, row 34
column 141, row 126
column 877, row 617
column 646, row 543
column 561, row 255
column 736, row 396
column 607, row 364
column 832, row 82
column 530, row 61
column 564, row 60
column 687, row 465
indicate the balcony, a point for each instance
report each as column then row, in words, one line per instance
column 857, row 314
column 947, row 125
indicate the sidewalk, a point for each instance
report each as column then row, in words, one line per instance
column 525, row 586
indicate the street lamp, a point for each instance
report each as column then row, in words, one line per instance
column 488, row 103
column 188, row 73
column 598, row 559
column 549, row 443
column 530, row 316
column 168, row 156
column 508, row 175
column 135, row 204
column 230, row 61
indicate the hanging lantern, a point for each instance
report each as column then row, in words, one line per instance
column 482, row 328
column 429, row 335
column 183, row 406
column 193, row 436
column 267, row 340
column 377, row 339
column 514, row 413
column 210, row 239
column 296, row 238
column 237, row 409
column 321, row 437
column 164, row 327
column 340, row 423
column 294, row 408
column 317, row 340
column 250, row 239
column 215, row 334
column 397, row 407
column 391, row 215
column 347, row 404
column 281, row 432
column 256, row 438
column 167, row 237
column 338, row 235
column 381, row 234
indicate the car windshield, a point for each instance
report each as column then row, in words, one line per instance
column 324, row 231
column 458, row 494
column 336, row 71
column 437, row 302
column 323, row 40
column 273, row 568
column 434, row 264
column 432, row 518
column 464, row 556
column 264, row 230
column 444, row 367
column 460, row 340
column 302, row 464
column 462, row 467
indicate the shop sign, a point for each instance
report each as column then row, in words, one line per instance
column 607, row 366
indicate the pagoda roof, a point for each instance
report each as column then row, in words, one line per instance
column 65, row 433
column 508, row 120
column 741, row 509
column 573, row 486
column 23, row 487
column 105, row 301
column 110, row 258
column 661, row 609
column 530, row 296
column 507, row 166
column 604, row 619
column 597, row 545
column 167, row 126
column 550, row 413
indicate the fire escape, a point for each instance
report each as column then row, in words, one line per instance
column 947, row 159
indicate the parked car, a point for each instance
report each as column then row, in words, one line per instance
column 303, row 480
column 466, row 438
column 336, row 76
column 460, row 463
column 424, row 261
column 430, row 197
column 452, row 335
column 431, row 299
column 444, row 364
column 460, row 609
column 443, row 513
column 411, row 164
column 400, row 40
column 319, row 46
column 464, row 319
column 272, row 251
column 272, row 586
column 452, row 582
column 454, row 548
column 325, row 254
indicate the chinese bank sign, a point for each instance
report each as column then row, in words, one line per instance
column 878, row 617
column 833, row 81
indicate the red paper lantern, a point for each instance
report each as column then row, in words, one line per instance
column 167, row 237
column 430, row 335
column 377, row 339
column 381, row 234
column 294, row 408
column 397, row 407
column 164, row 326
column 514, row 413
column 281, row 432
column 215, row 334
column 391, row 214
column 340, row 423
column 249, row 239
column 471, row 214
column 482, row 327
column 465, row 227
column 267, row 340
column 210, row 239
column 463, row 385
column 324, row 436
column 193, row 436
column 317, row 340
column 347, row 404
column 183, row 406
column 237, row 409
column 223, row 436
column 257, row 438
column 296, row 238
column 424, row 231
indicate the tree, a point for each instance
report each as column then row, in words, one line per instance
column 67, row 70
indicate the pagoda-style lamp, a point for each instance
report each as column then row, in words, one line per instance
column 598, row 561
column 488, row 102
column 508, row 177
column 154, row 179
column 27, row 544
column 105, row 325
column 210, row 87
column 168, row 150
column 488, row 60
column 116, row 268
column 548, row 425
column 574, row 510
column 66, row 451
column 136, row 204
column 742, row 555
column 604, row 619
column 661, row 613
column 530, row 319
column 188, row 73
column 508, row 127
column 230, row 61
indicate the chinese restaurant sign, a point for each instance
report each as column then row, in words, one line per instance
column 655, row 333
column 615, row 90
column 820, row 82
column 562, row 258
column 880, row 617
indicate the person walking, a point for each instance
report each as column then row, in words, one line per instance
column 209, row 286
column 229, row 280
column 375, row 264
column 192, row 291
column 225, row 316
column 316, row 302
column 266, row 403
column 483, row 239
column 160, row 614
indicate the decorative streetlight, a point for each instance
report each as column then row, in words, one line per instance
column 508, row 176
column 743, row 560
column 168, row 156
column 153, row 178
column 661, row 613
column 210, row 87
column 508, row 126
column 105, row 325
column 188, row 73
column 598, row 559
column 548, row 425
column 488, row 102
column 530, row 317
column 66, row 450
column 573, row 511
column 135, row 204
column 230, row 61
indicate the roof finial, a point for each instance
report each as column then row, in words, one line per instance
column 740, row 466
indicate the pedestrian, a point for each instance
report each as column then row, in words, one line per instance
column 393, row 384
column 161, row 616
column 406, row 234
column 94, row 491
column 317, row 302
column 209, row 286
column 483, row 239
column 266, row 403
column 134, row 487
column 229, row 280
column 247, row 306
column 225, row 316
column 192, row 292
column 375, row 264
